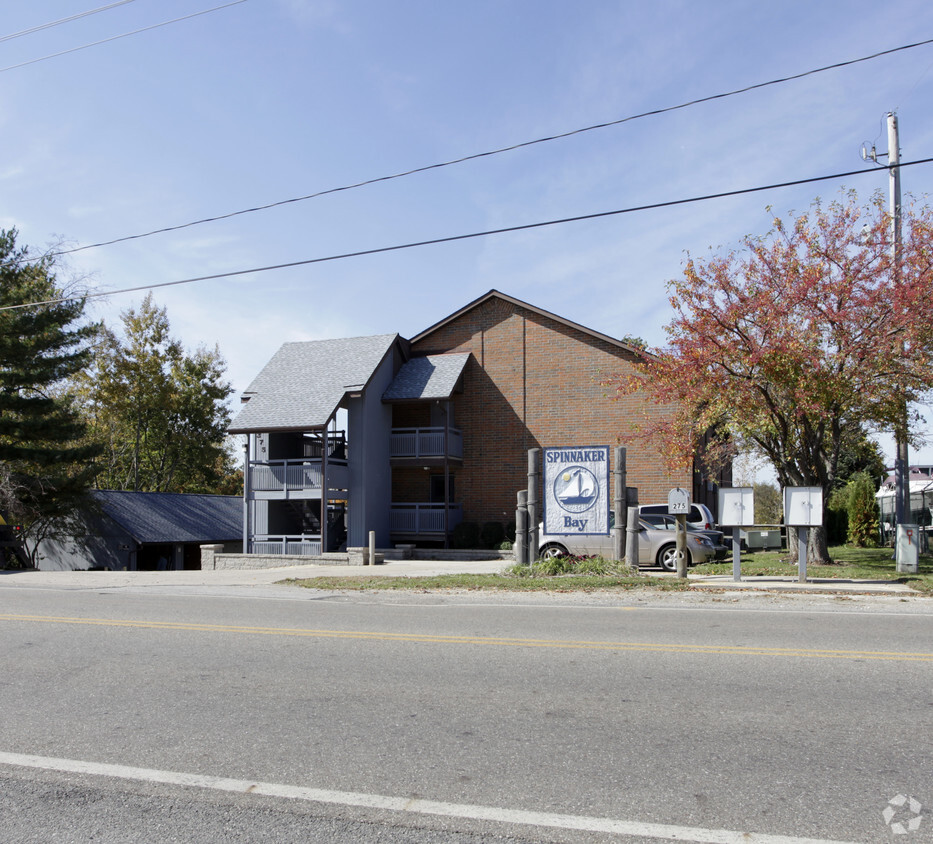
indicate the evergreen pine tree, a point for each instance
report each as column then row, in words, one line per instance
column 863, row 511
column 44, row 465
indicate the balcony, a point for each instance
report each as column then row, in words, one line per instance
column 275, row 479
column 422, row 519
column 425, row 445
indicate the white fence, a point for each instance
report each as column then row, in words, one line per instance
column 308, row 546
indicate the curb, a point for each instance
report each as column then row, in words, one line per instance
column 820, row 587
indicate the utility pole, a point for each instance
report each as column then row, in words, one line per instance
column 901, row 459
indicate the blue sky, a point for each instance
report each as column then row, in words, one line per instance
column 273, row 99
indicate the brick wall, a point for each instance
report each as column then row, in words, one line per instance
column 534, row 382
column 411, row 483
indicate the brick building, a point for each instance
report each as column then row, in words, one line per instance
column 437, row 428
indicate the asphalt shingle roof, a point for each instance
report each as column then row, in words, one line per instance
column 430, row 377
column 156, row 517
column 304, row 383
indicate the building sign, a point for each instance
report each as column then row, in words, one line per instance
column 576, row 490
column 678, row 502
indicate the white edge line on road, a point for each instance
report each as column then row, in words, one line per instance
column 402, row 804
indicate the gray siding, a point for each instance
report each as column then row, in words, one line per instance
column 103, row 543
column 369, row 428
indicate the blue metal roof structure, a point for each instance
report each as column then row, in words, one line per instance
column 163, row 517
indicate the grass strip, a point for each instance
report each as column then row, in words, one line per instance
column 849, row 563
column 491, row 582
column 589, row 574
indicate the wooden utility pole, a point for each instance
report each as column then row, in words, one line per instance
column 680, row 543
column 534, row 481
column 618, row 505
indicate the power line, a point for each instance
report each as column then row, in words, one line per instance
column 492, row 152
column 60, row 21
column 124, row 35
column 457, row 237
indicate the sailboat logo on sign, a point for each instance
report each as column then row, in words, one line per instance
column 576, row 489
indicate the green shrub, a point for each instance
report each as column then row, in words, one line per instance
column 863, row 511
column 837, row 526
column 465, row 535
column 573, row 565
column 492, row 534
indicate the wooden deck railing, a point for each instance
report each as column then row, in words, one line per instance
column 425, row 442
column 423, row 518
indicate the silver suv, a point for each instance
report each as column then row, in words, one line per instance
column 699, row 516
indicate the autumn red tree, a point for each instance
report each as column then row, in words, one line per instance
column 795, row 340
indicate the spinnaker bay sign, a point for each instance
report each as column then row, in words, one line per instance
column 576, row 490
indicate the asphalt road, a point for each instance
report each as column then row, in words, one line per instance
column 284, row 715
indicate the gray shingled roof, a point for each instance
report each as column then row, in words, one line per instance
column 430, row 377
column 156, row 517
column 304, row 383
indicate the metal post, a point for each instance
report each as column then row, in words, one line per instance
column 534, row 455
column 324, row 484
column 618, row 504
column 446, row 475
column 521, row 528
column 736, row 554
column 246, row 495
column 802, row 534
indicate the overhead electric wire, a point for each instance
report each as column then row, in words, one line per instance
column 60, row 21
column 124, row 35
column 492, row 152
column 453, row 238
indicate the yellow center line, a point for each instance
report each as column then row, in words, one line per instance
column 424, row 638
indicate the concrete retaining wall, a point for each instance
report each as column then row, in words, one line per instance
column 213, row 558
column 459, row 554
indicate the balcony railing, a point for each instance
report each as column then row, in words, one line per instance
column 426, row 442
column 285, row 475
column 308, row 546
column 423, row 518
column 336, row 447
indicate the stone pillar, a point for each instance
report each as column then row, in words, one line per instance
column 207, row 556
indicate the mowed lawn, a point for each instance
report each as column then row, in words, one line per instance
column 849, row 563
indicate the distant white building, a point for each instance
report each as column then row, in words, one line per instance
column 921, row 499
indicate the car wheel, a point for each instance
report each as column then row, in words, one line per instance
column 552, row 549
column 667, row 558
